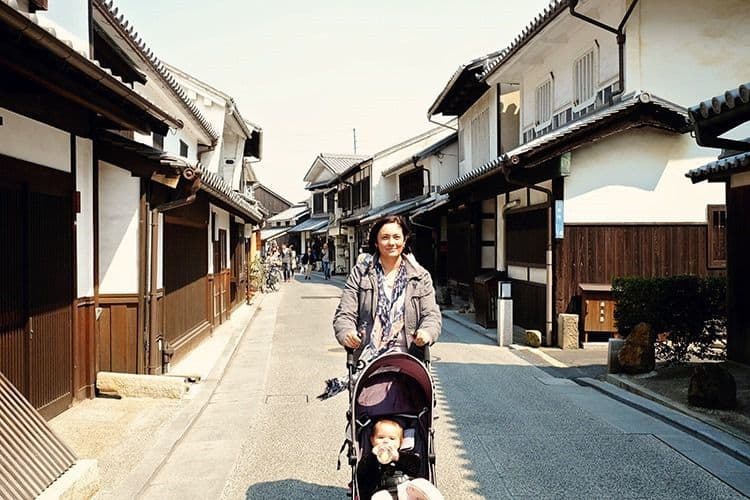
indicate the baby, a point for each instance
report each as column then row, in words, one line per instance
column 386, row 440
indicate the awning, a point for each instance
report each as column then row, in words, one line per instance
column 273, row 233
column 395, row 208
column 321, row 230
column 437, row 203
column 311, row 225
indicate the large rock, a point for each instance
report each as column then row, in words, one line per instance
column 712, row 386
column 637, row 354
column 141, row 386
column 567, row 331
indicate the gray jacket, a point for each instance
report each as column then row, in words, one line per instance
column 359, row 303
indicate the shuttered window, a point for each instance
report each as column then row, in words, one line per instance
column 544, row 103
column 411, row 184
column 480, row 139
column 461, row 144
column 584, row 79
column 330, row 201
column 717, row 236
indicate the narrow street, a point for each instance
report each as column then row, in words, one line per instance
column 505, row 429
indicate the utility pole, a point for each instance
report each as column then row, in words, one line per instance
column 354, row 133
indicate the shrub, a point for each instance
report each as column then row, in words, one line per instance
column 690, row 312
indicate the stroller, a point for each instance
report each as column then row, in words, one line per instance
column 397, row 386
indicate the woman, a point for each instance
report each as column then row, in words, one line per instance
column 388, row 302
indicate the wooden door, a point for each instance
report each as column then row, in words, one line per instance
column 50, row 299
column 36, row 294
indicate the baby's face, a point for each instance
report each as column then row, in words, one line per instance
column 386, row 433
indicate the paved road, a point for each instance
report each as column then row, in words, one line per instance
column 505, row 430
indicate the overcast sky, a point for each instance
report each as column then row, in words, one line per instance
column 310, row 71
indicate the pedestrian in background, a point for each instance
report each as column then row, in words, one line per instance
column 286, row 262
column 294, row 259
column 326, row 260
column 307, row 261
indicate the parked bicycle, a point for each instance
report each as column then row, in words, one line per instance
column 264, row 275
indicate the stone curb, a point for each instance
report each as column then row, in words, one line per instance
column 80, row 481
column 718, row 438
column 153, row 459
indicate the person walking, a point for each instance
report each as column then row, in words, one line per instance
column 326, row 260
column 388, row 302
column 307, row 260
column 286, row 262
column 293, row 259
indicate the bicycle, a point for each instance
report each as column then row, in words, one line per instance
column 272, row 277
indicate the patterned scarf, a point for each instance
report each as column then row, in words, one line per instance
column 388, row 311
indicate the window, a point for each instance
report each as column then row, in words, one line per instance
column 411, row 184
column 365, row 187
column 183, row 149
column 544, row 103
column 330, row 201
column 461, row 144
column 317, row 203
column 584, row 79
column 480, row 138
column 717, row 236
column 158, row 141
column 345, row 198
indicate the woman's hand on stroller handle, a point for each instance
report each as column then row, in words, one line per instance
column 422, row 338
column 352, row 340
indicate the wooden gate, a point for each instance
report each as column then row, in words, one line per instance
column 36, row 292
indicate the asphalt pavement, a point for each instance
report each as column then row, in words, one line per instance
column 505, row 428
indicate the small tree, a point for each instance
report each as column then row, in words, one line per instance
column 689, row 310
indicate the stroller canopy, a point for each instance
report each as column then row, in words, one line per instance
column 393, row 383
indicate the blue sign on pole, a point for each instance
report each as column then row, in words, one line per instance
column 559, row 220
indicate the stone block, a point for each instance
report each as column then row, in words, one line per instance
column 141, row 386
column 637, row 354
column 613, row 349
column 533, row 338
column 567, row 331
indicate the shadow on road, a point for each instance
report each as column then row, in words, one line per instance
column 293, row 489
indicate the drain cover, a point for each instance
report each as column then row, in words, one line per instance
column 286, row 399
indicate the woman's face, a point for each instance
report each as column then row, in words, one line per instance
column 390, row 240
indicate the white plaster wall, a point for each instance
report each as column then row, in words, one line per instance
column 381, row 189
column 222, row 222
column 172, row 144
column 639, row 176
column 20, row 137
column 119, row 195
column 85, row 219
column 443, row 167
column 487, row 101
column 687, row 51
column 554, row 51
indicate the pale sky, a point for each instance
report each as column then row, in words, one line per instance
column 308, row 72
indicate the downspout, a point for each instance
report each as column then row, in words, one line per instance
column 506, row 169
column 619, row 33
column 156, row 365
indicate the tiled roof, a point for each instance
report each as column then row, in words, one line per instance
column 721, row 103
column 578, row 128
column 129, row 30
column 396, row 207
column 550, row 12
column 216, row 186
column 732, row 164
column 48, row 36
column 463, row 78
column 338, row 163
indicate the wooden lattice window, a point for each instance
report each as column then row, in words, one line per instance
column 543, row 103
column 584, row 79
column 717, row 236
